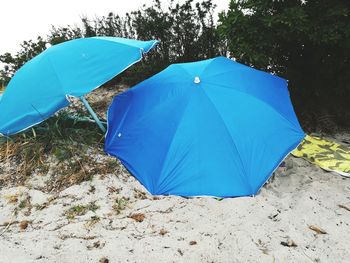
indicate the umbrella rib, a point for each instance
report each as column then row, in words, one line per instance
column 57, row 75
column 265, row 103
column 128, row 45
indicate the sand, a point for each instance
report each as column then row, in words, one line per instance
column 125, row 224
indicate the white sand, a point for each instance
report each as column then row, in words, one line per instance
column 176, row 229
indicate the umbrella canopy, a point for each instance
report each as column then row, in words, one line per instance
column 214, row 127
column 74, row 68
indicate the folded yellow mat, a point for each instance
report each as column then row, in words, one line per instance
column 328, row 155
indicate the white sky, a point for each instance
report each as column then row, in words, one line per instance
column 23, row 19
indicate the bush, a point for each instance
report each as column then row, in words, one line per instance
column 306, row 42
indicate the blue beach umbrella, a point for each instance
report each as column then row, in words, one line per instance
column 71, row 69
column 214, row 127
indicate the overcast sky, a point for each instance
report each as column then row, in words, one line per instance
column 23, row 19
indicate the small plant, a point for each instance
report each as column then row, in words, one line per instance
column 120, row 204
column 112, row 165
column 12, row 198
column 138, row 194
column 93, row 221
column 62, row 153
column 25, row 206
column 92, row 207
column 40, row 207
column 79, row 210
column 24, row 203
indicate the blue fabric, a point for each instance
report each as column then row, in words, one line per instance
column 42, row 86
column 223, row 136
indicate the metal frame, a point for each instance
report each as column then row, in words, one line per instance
column 93, row 114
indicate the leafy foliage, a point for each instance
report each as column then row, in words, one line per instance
column 307, row 42
column 186, row 33
column 29, row 49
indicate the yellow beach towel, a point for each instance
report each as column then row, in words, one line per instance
column 330, row 156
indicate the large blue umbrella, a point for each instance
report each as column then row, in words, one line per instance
column 74, row 68
column 214, row 127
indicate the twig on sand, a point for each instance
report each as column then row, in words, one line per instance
column 345, row 207
column 143, row 207
column 64, row 237
column 9, row 224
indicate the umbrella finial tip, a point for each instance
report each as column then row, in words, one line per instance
column 197, row 80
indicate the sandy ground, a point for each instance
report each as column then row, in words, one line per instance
column 299, row 216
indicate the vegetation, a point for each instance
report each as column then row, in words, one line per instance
column 79, row 210
column 29, row 49
column 60, row 147
column 120, row 204
column 306, row 42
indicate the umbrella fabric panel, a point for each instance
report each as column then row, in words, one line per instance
column 169, row 148
column 130, row 106
column 84, row 64
column 263, row 136
column 271, row 89
column 33, row 99
column 143, row 142
column 202, row 157
column 204, row 128
column 145, row 104
column 73, row 68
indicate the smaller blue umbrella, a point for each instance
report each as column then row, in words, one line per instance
column 74, row 68
column 214, row 127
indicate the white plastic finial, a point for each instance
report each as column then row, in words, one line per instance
column 197, row 80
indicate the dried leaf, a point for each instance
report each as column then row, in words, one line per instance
column 104, row 260
column 317, row 229
column 139, row 217
column 163, row 232
column 289, row 243
column 24, row 224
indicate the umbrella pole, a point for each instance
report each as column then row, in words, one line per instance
column 93, row 114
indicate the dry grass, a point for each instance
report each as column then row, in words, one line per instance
column 65, row 151
column 2, row 88
column 61, row 147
